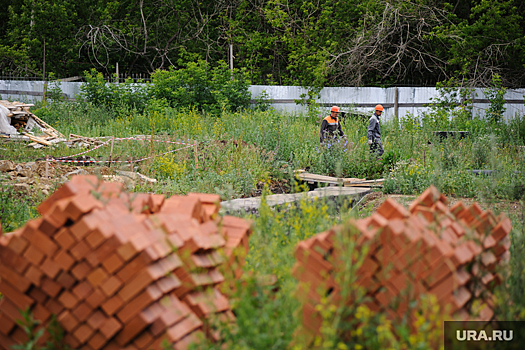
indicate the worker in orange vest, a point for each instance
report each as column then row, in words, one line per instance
column 330, row 127
column 374, row 132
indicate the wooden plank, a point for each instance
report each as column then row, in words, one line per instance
column 38, row 139
column 47, row 126
column 308, row 177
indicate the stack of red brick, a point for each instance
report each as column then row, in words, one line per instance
column 119, row 270
column 452, row 253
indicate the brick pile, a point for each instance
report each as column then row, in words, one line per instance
column 119, row 270
column 453, row 253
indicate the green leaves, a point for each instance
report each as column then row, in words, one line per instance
column 211, row 89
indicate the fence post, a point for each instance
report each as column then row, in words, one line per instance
column 111, row 152
column 196, row 157
column 396, row 105
column 47, row 166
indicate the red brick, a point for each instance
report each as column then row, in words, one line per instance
column 97, row 277
column 113, row 263
column 110, row 327
column 15, row 296
column 83, row 227
column 80, row 250
column 34, row 275
column 138, row 324
column 195, row 337
column 82, row 311
column 54, row 306
column 155, row 202
column 67, row 321
column 38, row 295
column 135, row 245
column 143, row 279
column 502, row 229
column 437, row 272
column 96, row 320
column 99, row 235
column 40, row 313
column 96, row 298
column 64, row 238
column 71, row 341
column 20, row 336
column 502, row 246
column 80, row 205
column 183, row 328
column 12, row 261
column 111, row 286
column 50, row 287
column 134, row 266
column 83, row 333
column 132, row 308
column 10, row 310
column 143, row 340
column 64, row 260
column 43, row 242
column 49, row 225
column 50, row 268
column 65, row 280
column 386, row 295
column 81, row 270
column 17, row 244
column 173, row 311
column 6, row 325
column 488, row 259
column 110, row 189
column 69, row 189
column 390, row 209
column 97, row 341
column 104, row 251
column 462, row 255
column 34, row 255
column 68, row 300
column 169, row 283
column 452, row 282
column 112, row 305
column 457, row 208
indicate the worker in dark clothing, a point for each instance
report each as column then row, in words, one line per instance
column 374, row 132
column 330, row 127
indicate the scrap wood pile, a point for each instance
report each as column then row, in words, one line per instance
column 121, row 270
column 21, row 120
column 454, row 254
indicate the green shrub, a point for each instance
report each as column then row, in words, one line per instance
column 210, row 89
column 113, row 95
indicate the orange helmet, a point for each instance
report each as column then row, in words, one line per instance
column 379, row 108
column 335, row 109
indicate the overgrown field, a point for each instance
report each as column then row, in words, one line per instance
column 241, row 153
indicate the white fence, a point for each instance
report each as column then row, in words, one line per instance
column 396, row 100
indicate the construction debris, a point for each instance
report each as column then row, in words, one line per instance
column 18, row 124
column 121, row 270
column 456, row 254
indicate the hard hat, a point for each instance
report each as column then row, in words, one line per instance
column 379, row 108
column 335, row 109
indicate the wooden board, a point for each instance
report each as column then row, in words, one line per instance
column 311, row 178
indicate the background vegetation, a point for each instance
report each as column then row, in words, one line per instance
column 287, row 42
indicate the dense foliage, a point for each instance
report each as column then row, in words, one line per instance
column 287, row 42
